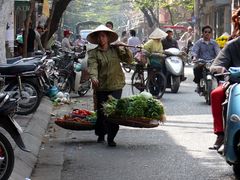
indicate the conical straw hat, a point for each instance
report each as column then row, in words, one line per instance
column 158, row 34
column 93, row 36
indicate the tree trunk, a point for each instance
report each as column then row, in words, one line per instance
column 157, row 24
column 26, row 27
column 148, row 17
column 6, row 7
column 171, row 15
column 58, row 8
column 171, row 19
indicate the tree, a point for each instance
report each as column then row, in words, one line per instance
column 175, row 9
column 178, row 9
column 6, row 7
column 148, row 7
column 26, row 26
column 57, row 10
column 97, row 11
column 58, row 7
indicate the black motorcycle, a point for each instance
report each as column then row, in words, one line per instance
column 23, row 80
column 208, row 82
column 8, row 107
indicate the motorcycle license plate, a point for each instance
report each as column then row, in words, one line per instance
column 175, row 61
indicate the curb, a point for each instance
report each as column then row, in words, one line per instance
column 34, row 131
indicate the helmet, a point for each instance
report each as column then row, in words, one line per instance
column 66, row 32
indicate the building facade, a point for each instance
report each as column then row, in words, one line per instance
column 216, row 13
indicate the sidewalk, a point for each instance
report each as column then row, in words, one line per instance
column 34, row 127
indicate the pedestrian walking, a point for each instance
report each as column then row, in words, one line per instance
column 107, row 76
column 37, row 43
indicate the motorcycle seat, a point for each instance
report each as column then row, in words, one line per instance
column 31, row 60
column 13, row 60
column 13, row 69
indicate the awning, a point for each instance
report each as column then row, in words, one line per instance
column 174, row 27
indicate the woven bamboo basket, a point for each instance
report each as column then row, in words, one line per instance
column 140, row 122
column 71, row 125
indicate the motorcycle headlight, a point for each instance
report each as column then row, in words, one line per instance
column 208, row 65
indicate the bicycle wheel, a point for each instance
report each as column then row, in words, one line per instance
column 126, row 67
column 156, row 84
column 138, row 82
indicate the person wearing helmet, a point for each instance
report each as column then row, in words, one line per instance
column 66, row 45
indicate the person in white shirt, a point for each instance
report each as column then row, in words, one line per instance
column 133, row 41
column 187, row 38
column 37, row 42
column 66, row 45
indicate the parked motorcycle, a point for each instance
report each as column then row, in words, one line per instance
column 208, row 82
column 69, row 78
column 23, row 80
column 8, row 107
column 231, row 116
column 174, row 68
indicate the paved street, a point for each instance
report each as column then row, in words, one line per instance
column 176, row 150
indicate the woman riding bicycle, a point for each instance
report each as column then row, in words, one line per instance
column 154, row 52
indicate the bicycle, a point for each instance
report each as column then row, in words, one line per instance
column 155, row 82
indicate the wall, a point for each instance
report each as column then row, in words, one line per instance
column 6, row 7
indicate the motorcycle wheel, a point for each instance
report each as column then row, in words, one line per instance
column 6, row 157
column 31, row 97
column 63, row 83
column 126, row 67
column 175, row 83
column 208, row 92
column 189, row 57
column 157, row 84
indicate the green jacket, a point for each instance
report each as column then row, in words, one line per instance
column 105, row 66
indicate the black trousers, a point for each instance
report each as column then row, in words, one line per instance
column 102, row 126
column 197, row 71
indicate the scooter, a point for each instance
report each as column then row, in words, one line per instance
column 8, row 107
column 174, row 68
column 231, row 116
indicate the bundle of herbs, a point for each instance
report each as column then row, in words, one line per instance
column 141, row 105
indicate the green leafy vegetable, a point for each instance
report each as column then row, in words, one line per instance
column 134, row 106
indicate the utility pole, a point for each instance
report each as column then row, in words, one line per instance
column 197, row 20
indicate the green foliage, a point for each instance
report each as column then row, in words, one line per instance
column 134, row 106
column 155, row 109
column 109, row 107
column 121, row 106
column 137, row 106
column 94, row 10
column 177, row 8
